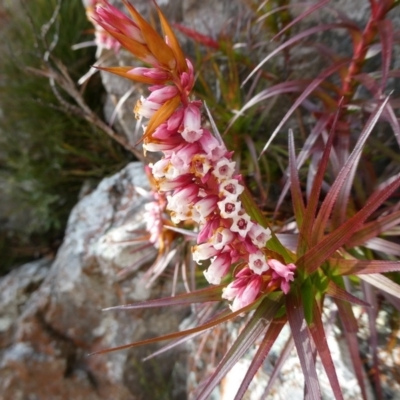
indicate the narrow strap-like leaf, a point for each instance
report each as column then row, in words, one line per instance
column 269, row 339
column 254, row 328
column 342, row 266
column 212, row 293
column 350, row 329
column 338, row 293
column 370, row 297
column 343, row 176
column 159, row 49
column 173, row 41
column 297, row 198
column 382, row 283
column 318, row 334
column 302, row 340
column 332, row 242
column 223, row 317
column 296, row 38
column 310, row 88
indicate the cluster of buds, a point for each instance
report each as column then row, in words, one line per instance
column 196, row 173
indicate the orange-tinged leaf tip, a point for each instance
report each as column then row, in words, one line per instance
column 159, row 49
column 173, row 41
column 162, row 115
column 124, row 72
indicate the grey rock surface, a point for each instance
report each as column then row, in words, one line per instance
column 51, row 314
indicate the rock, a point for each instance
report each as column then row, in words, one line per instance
column 51, row 313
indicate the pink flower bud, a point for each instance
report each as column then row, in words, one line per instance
column 203, row 251
column 163, row 94
column 154, row 73
column 218, row 268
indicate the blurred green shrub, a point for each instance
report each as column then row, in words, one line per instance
column 45, row 154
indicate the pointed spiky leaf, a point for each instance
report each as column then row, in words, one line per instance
column 124, row 72
column 310, row 88
column 220, row 318
column 269, row 339
column 310, row 214
column 350, row 329
column 382, row 283
column 337, row 292
column 304, row 14
column 173, row 41
column 313, row 259
column 212, row 293
column 301, row 35
column 370, row 297
column 374, row 228
column 341, row 179
column 161, row 115
column 254, row 328
column 341, row 266
column 302, row 340
column 160, row 50
column 318, row 334
column 305, row 152
column 297, row 198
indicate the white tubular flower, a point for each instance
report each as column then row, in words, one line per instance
column 145, row 108
column 229, row 208
column 203, row 251
column 231, row 188
column 192, row 124
column 224, row 169
column 221, row 238
column 241, row 224
column 160, row 168
column 218, row 268
column 258, row 263
column 206, row 206
column 259, row 235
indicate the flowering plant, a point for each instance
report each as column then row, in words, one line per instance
column 272, row 279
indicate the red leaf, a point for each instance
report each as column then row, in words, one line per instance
column 212, row 293
column 308, row 11
column 270, row 337
column 299, row 36
column 309, row 218
column 297, row 199
column 302, row 340
column 337, row 292
column 362, row 267
column 330, row 199
column 372, row 312
column 318, row 334
column 310, row 88
column 324, row 249
column 198, row 37
column 385, row 29
column 254, row 328
column 276, row 90
column 287, row 348
column 350, row 329
column 305, row 152
column 220, row 318
column 382, row 283
column 374, row 228
column 384, row 246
